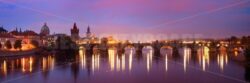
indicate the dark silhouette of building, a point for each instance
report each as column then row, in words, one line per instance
column 75, row 33
column 88, row 33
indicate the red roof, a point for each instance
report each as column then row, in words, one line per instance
column 6, row 35
column 29, row 33
column 14, row 32
column 25, row 33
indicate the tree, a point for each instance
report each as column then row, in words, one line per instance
column 68, row 42
column 8, row 44
column 18, row 44
column 247, row 54
column 35, row 43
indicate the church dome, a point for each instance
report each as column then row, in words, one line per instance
column 45, row 30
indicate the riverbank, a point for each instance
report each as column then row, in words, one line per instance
column 17, row 53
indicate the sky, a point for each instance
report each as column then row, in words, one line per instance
column 210, row 18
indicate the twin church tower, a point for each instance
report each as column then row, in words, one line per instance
column 75, row 32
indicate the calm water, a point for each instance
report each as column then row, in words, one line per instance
column 113, row 67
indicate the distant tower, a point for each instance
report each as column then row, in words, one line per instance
column 75, row 33
column 88, row 33
column 20, row 30
column 45, row 30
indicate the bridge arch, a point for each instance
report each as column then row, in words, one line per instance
column 166, row 50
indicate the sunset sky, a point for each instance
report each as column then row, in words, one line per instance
column 212, row 18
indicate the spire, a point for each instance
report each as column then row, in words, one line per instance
column 16, row 29
column 20, row 30
column 74, row 27
column 74, row 30
column 88, row 30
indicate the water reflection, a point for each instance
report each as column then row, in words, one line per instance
column 203, row 54
column 27, row 64
column 123, row 62
column 186, row 53
column 222, row 60
column 118, row 64
column 166, row 63
column 97, row 63
column 82, row 58
column 148, row 52
column 130, row 60
column 112, row 55
column 48, row 63
column 4, row 68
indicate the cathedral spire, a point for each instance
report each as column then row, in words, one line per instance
column 88, row 33
column 20, row 30
column 74, row 27
column 88, row 30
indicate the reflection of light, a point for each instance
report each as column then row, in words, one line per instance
column 187, row 53
column 203, row 63
column 149, row 55
column 117, row 64
column 98, row 61
column 4, row 67
column 82, row 58
column 226, row 59
column 203, row 55
column 185, row 63
column 93, row 63
column 166, row 63
column 30, row 64
column 123, row 62
column 148, row 63
column 51, row 62
column 111, row 53
column 130, row 60
column 27, row 64
column 48, row 63
column 222, row 60
column 44, row 65
column 23, row 64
